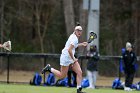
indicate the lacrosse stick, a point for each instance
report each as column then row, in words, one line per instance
column 7, row 45
column 92, row 36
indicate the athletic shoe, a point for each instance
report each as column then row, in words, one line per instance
column 90, row 87
column 80, row 90
column 46, row 68
column 127, row 89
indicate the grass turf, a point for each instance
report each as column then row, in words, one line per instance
column 16, row 88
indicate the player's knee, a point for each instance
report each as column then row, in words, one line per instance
column 79, row 72
column 63, row 75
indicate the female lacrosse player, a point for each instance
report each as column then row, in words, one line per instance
column 67, row 58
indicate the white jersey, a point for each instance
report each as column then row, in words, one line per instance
column 65, row 58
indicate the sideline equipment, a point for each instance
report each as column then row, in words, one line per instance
column 7, row 45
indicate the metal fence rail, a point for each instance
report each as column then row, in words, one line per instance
column 45, row 56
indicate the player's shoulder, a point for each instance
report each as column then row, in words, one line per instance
column 73, row 36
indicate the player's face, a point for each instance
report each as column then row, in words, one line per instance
column 129, row 49
column 78, row 33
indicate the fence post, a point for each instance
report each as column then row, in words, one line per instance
column 8, row 63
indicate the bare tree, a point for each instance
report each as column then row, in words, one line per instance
column 1, row 29
column 42, row 11
column 5, row 27
column 69, row 16
column 73, row 12
column 2, row 19
column 135, row 27
column 83, row 19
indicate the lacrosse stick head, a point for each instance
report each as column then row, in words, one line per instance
column 7, row 45
column 92, row 36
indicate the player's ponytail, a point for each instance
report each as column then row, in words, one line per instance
column 77, row 24
column 78, row 27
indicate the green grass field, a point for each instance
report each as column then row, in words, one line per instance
column 16, row 88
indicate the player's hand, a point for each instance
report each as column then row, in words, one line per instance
column 75, row 60
column 84, row 43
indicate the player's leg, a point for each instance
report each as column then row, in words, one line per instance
column 60, row 74
column 64, row 62
column 127, row 83
column 95, row 75
column 77, row 69
column 130, row 80
column 90, row 78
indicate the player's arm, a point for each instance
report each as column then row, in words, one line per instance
column 96, row 56
column 135, row 59
column 82, row 44
column 70, row 52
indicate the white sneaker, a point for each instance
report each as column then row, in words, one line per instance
column 127, row 89
column 90, row 87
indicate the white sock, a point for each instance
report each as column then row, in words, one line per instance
column 52, row 69
column 78, row 87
